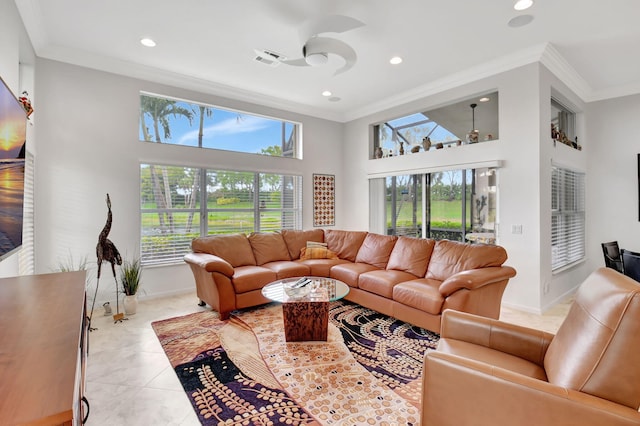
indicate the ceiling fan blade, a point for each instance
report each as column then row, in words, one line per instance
column 328, row 24
column 336, row 47
column 301, row 62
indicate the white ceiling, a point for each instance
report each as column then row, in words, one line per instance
column 209, row 46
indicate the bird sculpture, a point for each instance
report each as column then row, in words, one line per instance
column 106, row 251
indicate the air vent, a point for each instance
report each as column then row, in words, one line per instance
column 268, row 57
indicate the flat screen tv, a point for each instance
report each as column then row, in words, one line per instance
column 13, row 131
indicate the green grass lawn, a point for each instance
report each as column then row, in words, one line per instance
column 443, row 214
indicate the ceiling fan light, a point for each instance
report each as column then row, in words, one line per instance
column 315, row 59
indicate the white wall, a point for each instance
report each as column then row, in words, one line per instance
column 555, row 287
column 88, row 146
column 612, row 203
column 525, row 150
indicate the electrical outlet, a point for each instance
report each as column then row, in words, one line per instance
column 516, row 229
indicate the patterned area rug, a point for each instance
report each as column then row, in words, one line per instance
column 242, row 372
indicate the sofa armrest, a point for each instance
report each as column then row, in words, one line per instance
column 475, row 278
column 210, row 263
column 460, row 391
column 523, row 342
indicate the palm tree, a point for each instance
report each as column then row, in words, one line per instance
column 159, row 110
column 203, row 110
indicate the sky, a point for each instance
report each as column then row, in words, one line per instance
column 13, row 124
column 224, row 129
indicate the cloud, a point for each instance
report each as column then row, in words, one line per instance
column 230, row 126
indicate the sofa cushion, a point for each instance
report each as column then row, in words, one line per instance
column 349, row 272
column 288, row 269
column 381, row 282
column 411, row 255
column 321, row 267
column 451, row 257
column 344, row 243
column 317, row 253
column 492, row 357
column 595, row 349
column 296, row 240
column 375, row 249
column 421, row 294
column 248, row 278
column 268, row 247
column 234, row 248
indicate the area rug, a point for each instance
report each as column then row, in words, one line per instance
column 243, row 372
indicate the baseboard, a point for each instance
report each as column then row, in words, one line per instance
column 528, row 309
column 522, row 308
column 170, row 293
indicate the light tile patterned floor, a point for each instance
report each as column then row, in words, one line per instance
column 130, row 381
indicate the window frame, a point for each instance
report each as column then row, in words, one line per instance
column 293, row 146
column 568, row 217
column 177, row 244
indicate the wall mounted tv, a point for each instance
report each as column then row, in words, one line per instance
column 13, row 131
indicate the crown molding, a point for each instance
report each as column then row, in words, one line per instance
column 183, row 81
column 475, row 73
column 558, row 65
column 615, row 92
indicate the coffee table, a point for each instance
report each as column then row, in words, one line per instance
column 306, row 318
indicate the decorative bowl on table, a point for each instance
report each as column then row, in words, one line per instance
column 297, row 289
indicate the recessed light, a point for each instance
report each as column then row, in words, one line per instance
column 523, row 4
column 147, row 42
column 395, row 60
column 485, row 99
column 520, row 21
column 326, row 93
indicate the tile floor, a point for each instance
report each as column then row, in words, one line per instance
column 130, row 381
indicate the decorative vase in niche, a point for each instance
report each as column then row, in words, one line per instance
column 130, row 304
column 401, row 148
column 426, row 143
column 379, row 152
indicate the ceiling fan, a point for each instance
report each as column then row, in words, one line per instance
column 316, row 49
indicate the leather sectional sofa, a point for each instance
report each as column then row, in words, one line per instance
column 411, row 279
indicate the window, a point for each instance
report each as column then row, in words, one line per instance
column 171, row 121
column 451, row 204
column 563, row 123
column 469, row 121
column 174, row 209
column 567, row 217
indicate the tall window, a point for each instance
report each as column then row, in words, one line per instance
column 171, row 121
column 175, row 208
column 567, row 217
column 451, row 204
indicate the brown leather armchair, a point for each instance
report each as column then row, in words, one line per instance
column 487, row 372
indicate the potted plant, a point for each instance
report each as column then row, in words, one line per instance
column 130, row 274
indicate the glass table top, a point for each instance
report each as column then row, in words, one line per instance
column 336, row 289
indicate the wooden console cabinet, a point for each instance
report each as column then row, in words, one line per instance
column 43, row 332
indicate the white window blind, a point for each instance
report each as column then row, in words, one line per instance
column 567, row 217
column 174, row 210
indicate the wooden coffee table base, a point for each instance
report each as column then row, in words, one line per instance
column 305, row 320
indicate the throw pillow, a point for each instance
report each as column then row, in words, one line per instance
column 317, row 253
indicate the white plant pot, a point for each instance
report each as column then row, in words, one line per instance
column 130, row 304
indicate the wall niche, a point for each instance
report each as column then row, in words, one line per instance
column 472, row 120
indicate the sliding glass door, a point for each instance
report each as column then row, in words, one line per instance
column 452, row 204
